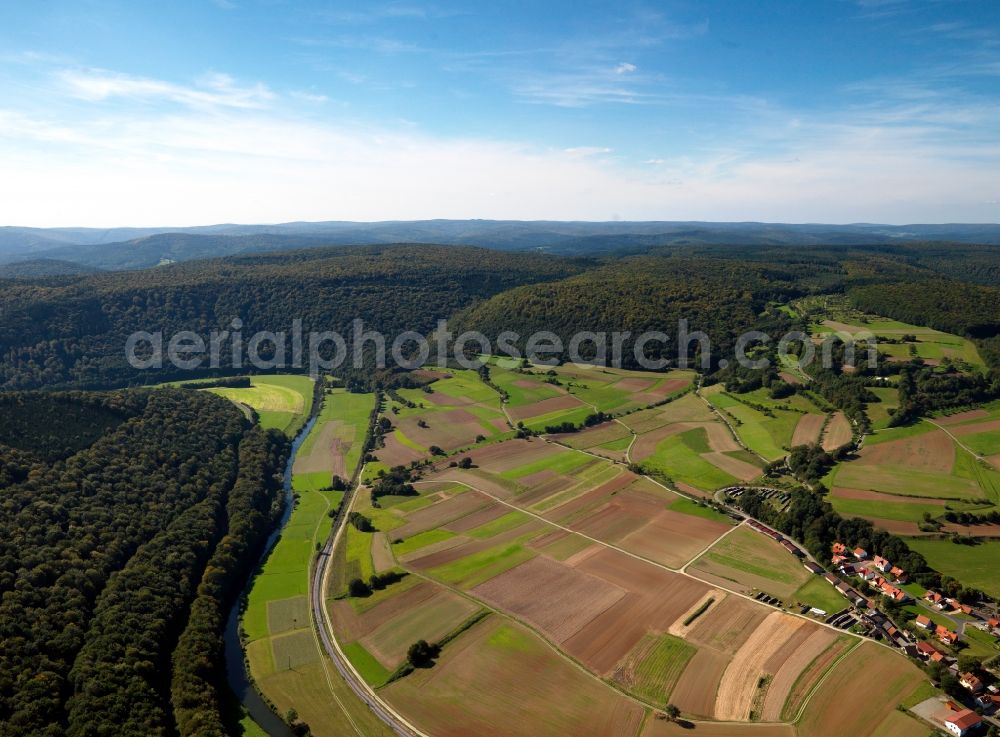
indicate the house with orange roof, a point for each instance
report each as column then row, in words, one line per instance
column 860, row 553
column 882, row 564
column 971, row 682
column 838, row 549
column 960, row 723
column 923, row 622
column 945, row 635
column 898, row 573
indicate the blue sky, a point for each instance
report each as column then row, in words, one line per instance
column 203, row 111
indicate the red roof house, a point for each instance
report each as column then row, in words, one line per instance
column 960, row 723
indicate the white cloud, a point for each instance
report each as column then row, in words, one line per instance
column 220, row 152
column 625, row 68
column 213, row 90
column 581, row 151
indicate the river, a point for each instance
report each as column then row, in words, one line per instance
column 236, row 673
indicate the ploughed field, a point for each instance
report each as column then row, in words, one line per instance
column 565, row 588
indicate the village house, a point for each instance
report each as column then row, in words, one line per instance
column 933, row 597
column 860, row 553
column 898, row 573
column 838, row 549
column 837, row 559
column 881, row 563
column 945, row 635
column 960, row 723
column 971, row 682
column 891, row 591
column 923, row 622
column 989, row 702
column 865, row 574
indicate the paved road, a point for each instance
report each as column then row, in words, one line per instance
column 322, row 624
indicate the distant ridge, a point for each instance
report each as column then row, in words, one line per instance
column 134, row 248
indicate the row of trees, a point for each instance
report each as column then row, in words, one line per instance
column 198, row 660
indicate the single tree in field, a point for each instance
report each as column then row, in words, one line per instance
column 672, row 712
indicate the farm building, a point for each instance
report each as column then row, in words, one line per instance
column 792, row 548
column 960, row 723
column 813, row 568
column 927, row 650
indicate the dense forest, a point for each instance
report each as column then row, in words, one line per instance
column 72, row 332
column 103, row 552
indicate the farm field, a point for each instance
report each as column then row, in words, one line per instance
column 832, row 314
column 903, row 475
column 453, row 410
column 575, row 562
column 681, row 440
column 973, row 565
column 747, row 560
column 284, row 656
column 541, row 396
column 868, row 668
column 333, row 448
column 768, row 427
column 282, row 402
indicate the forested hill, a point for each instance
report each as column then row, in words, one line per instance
column 72, row 332
column 719, row 297
column 128, row 549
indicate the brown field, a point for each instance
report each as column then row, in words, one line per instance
column 898, row 724
column 972, row 414
column 713, row 598
column 738, row 685
column 737, row 467
column 445, row 400
column 817, row 641
column 724, row 628
column 838, row 431
column 441, row 513
column 396, row 454
column 382, row 557
column 663, row 728
column 453, row 429
column 327, row 452
column 430, row 620
column 931, row 451
column 480, row 517
column 606, row 432
column 810, row 676
column 878, row 496
column 789, row 377
column 661, row 392
column 688, row 408
column 552, row 596
column 555, row 404
column 645, row 445
column 351, row 626
column 655, row 599
column 976, row 427
column 672, row 538
column 695, row 693
column 877, row 679
column 807, row 430
column 521, row 687
column 635, row 384
column 511, row 454
column 988, row 530
column 897, row 527
column 720, row 439
column 590, row 500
